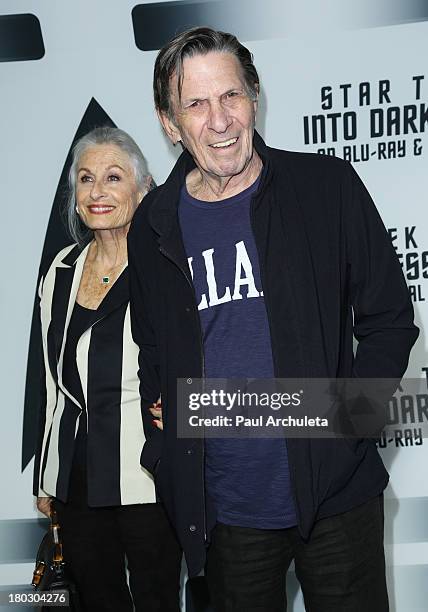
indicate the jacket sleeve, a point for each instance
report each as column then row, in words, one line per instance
column 48, row 397
column 382, row 308
column 383, row 311
column 142, row 296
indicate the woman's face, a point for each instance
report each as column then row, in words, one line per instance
column 106, row 190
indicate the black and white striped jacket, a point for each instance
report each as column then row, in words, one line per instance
column 107, row 362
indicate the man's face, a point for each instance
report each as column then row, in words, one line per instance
column 215, row 116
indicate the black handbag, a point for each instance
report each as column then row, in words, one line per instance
column 50, row 573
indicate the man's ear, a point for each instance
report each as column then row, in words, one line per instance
column 256, row 101
column 171, row 130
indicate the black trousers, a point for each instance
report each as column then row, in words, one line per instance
column 96, row 542
column 341, row 568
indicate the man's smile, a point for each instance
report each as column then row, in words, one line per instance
column 224, row 144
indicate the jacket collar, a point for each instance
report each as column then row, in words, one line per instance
column 164, row 206
column 67, row 279
column 69, row 271
column 72, row 268
column 163, row 214
column 73, row 255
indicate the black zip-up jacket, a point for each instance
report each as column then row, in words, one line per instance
column 328, row 272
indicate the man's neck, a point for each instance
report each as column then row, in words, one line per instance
column 211, row 188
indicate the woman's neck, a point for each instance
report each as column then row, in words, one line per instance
column 109, row 247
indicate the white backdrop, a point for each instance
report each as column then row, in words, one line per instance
column 306, row 65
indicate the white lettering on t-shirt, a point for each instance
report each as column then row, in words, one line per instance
column 203, row 303
column 243, row 261
column 212, row 284
column 244, row 277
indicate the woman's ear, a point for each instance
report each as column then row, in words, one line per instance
column 148, row 181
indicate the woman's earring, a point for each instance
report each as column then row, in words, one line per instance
column 77, row 210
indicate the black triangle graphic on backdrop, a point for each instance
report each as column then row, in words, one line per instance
column 56, row 238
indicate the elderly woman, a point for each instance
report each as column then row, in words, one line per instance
column 91, row 435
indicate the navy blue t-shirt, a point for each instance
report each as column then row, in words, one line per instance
column 247, row 480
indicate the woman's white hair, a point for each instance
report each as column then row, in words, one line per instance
column 100, row 136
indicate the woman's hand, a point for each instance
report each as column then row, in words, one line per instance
column 44, row 505
column 156, row 410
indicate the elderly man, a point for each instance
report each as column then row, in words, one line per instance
column 256, row 262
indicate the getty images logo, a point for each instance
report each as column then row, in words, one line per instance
column 218, row 398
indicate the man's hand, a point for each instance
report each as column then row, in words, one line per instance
column 44, row 505
column 156, row 410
